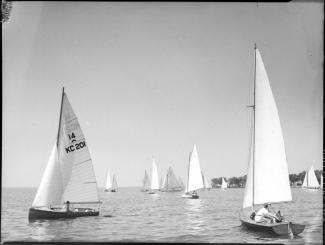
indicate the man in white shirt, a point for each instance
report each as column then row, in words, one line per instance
column 264, row 215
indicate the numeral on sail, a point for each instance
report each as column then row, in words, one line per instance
column 74, row 147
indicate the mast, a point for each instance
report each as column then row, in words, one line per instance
column 57, row 138
column 254, row 122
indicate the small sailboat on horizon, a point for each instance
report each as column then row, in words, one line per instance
column 224, row 184
column 145, row 182
column 310, row 180
column 69, row 178
column 267, row 159
column 154, row 179
column 170, row 183
column 194, row 178
column 206, row 182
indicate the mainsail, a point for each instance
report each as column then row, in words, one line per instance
column 108, row 181
column 268, row 158
column 69, row 175
column 154, row 177
column 194, row 173
column 310, row 180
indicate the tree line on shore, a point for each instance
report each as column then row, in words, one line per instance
column 238, row 182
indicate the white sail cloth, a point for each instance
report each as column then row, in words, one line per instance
column 69, row 175
column 108, row 181
column 195, row 181
column 267, row 177
column 154, row 177
column 310, row 179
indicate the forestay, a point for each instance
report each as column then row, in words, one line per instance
column 267, row 177
column 194, row 176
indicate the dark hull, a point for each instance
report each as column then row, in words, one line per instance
column 279, row 229
column 35, row 214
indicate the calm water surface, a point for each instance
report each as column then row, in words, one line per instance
column 132, row 215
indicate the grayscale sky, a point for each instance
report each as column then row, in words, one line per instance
column 152, row 79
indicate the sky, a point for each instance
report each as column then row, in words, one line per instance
column 150, row 80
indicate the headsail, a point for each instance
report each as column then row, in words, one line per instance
column 154, row 177
column 194, row 176
column 50, row 190
column 70, row 166
column 269, row 158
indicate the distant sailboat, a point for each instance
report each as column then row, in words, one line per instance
column 206, row 182
column 170, row 183
column 108, row 182
column 194, row 179
column 114, row 184
column 267, row 177
column 310, row 180
column 154, row 179
column 145, row 182
column 69, row 178
column 224, row 184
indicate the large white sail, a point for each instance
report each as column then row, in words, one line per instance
column 50, row 190
column 114, row 183
column 70, row 167
column 195, row 181
column 223, row 184
column 108, row 181
column 310, row 180
column 268, row 174
column 154, row 177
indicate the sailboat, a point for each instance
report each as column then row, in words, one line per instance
column 171, row 183
column 310, row 180
column 267, row 177
column 194, row 178
column 224, row 184
column 108, row 182
column 69, row 178
column 145, row 182
column 114, row 184
column 206, row 182
column 154, row 179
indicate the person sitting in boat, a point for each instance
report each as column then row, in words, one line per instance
column 264, row 215
column 67, row 206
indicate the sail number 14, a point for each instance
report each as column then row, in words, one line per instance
column 76, row 146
